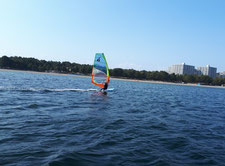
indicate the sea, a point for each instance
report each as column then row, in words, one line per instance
column 62, row 120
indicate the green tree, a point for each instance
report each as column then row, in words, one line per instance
column 6, row 62
column 189, row 78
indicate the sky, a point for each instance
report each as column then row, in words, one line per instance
column 140, row 34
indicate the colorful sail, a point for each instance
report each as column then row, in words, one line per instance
column 100, row 71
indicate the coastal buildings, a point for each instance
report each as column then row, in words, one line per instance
column 221, row 74
column 182, row 69
column 208, row 71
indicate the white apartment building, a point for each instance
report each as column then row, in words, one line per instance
column 208, row 71
column 182, row 69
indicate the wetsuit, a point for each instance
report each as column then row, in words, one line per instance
column 105, row 86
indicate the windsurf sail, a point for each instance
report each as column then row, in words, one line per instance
column 100, row 71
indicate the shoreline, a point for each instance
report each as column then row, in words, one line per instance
column 168, row 83
column 113, row 78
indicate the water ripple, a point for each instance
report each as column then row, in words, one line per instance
column 68, row 123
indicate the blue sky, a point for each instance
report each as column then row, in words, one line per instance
column 139, row 34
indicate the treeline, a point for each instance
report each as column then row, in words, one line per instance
column 33, row 64
column 164, row 76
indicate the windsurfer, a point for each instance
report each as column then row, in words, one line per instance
column 105, row 87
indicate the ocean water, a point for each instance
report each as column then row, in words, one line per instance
column 60, row 120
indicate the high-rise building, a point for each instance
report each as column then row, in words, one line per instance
column 208, row 71
column 182, row 69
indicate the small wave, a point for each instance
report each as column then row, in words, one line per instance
column 7, row 88
column 76, row 90
column 13, row 88
column 28, row 90
column 33, row 106
column 2, row 88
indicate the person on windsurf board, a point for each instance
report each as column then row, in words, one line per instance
column 105, row 87
column 100, row 72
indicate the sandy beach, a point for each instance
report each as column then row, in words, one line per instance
column 121, row 79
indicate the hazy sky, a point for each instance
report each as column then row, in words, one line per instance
column 139, row 34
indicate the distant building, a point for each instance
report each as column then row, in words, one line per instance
column 208, row 71
column 221, row 74
column 182, row 69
